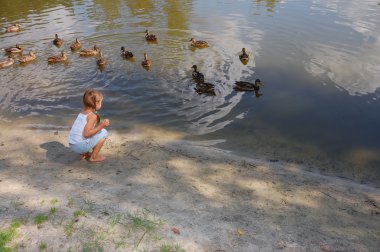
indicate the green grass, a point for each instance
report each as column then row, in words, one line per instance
column 69, row 228
column 40, row 218
column 79, row 213
column 54, row 201
column 42, row 246
column 53, row 211
column 170, row 248
column 7, row 235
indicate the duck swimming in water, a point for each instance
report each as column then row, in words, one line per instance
column 199, row 77
column 150, row 37
column 205, row 88
column 16, row 49
column 125, row 53
column 146, row 62
column 13, row 28
column 26, row 58
column 57, row 41
column 90, row 52
column 198, row 43
column 244, row 55
column 56, row 59
column 8, row 62
column 247, row 86
column 76, row 45
column 101, row 61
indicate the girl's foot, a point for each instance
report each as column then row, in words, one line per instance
column 85, row 155
column 97, row 159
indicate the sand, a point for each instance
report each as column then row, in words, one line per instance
column 156, row 192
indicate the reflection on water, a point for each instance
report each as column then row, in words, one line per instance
column 318, row 60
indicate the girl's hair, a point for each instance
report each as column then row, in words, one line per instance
column 91, row 97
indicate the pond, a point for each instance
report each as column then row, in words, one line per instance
column 318, row 61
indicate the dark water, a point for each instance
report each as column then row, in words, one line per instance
column 319, row 62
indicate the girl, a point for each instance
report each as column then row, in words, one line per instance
column 87, row 135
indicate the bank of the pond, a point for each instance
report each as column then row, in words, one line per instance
column 156, row 191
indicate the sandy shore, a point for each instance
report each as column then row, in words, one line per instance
column 158, row 193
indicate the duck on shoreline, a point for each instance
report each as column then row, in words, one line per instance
column 27, row 58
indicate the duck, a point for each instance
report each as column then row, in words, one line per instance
column 244, row 55
column 16, row 49
column 8, row 62
column 150, row 37
column 26, row 58
column 247, row 86
column 146, row 62
column 198, row 43
column 61, row 58
column 90, row 52
column 125, row 53
column 76, row 45
column 13, row 28
column 199, row 77
column 205, row 88
column 57, row 41
column 101, row 61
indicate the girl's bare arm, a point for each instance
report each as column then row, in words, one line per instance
column 89, row 129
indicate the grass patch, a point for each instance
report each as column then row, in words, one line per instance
column 70, row 202
column 40, row 218
column 54, row 201
column 117, row 219
column 69, row 228
column 7, row 235
column 53, row 211
column 42, row 246
column 170, row 248
column 79, row 213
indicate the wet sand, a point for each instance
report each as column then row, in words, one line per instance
column 156, row 190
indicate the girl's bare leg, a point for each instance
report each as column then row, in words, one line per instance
column 95, row 157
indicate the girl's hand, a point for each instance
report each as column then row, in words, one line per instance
column 105, row 123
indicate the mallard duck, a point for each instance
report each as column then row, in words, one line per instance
column 244, row 55
column 205, row 88
column 247, row 86
column 90, row 52
column 26, row 58
column 101, row 61
column 16, row 49
column 198, row 43
column 150, row 37
column 8, row 62
column 61, row 58
column 146, row 62
column 76, row 45
column 125, row 53
column 57, row 41
column 199, row 77
column 13, row 28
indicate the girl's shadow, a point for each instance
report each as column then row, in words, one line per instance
column 58, row 153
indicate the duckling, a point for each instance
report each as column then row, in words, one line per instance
column 57, row 41
column 146, row 62
column 27, row 58
column 125, row 53
column 198, row 43
column 76, row 45
column 13, row 28
column 8, row 62
column 150, row 37
column 16, row 49
column 199, row 77
column 244, row 55
column 61, row 58
column 205, row 88
column 247, row 86
column 101, row 61
column 90, row 52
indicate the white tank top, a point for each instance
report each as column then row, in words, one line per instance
column 76, row 132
